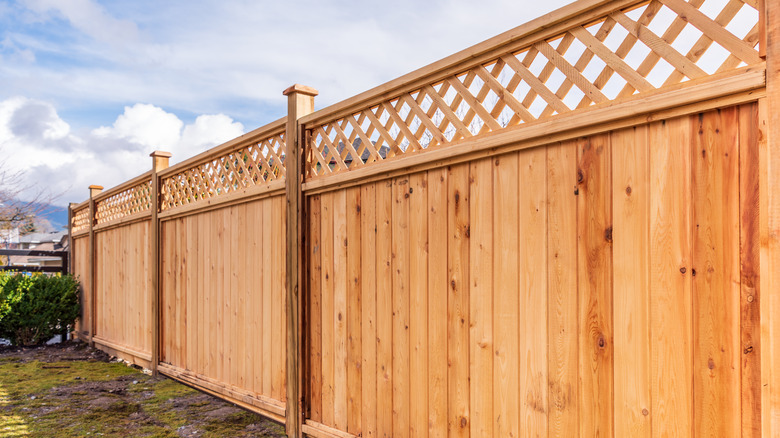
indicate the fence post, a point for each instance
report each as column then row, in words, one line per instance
column 769, row 211
column 70, row 238
column 160, row 161
column 93, row 191
column 300, row 102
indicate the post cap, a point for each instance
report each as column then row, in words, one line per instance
column 302, row 89
column 95, row 187
column 162, row 154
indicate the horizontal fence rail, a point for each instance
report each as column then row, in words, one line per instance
column 567, row 230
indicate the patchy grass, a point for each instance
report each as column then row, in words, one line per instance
column 75, row 391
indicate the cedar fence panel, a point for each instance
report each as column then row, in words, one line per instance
column 567, row 230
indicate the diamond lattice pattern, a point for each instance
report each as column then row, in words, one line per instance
column 250, row 165
column 136, row 199
column 80, row 220
column 656, row 44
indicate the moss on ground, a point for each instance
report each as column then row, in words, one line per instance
column 48, row 396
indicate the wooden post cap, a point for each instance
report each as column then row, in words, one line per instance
column 161, row 154
column 302, row 89
column 94, row 190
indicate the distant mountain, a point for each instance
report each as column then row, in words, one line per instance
column 58, row 216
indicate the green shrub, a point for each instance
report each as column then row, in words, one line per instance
column 35, row 308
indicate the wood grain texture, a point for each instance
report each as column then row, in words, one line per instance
column 750, row 271
column 506, row 302
column 458, row 229
column 532, row 271
column 670, row 280
column 480, row 298
column 631, row 267
column 563, row 298
column 418, row 305
column 594, row 266
column 400, row 306
column 716, row 261
column 438, row 292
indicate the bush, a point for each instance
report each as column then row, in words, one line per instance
column 35, row 308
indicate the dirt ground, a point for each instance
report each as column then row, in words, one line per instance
column 71, row 390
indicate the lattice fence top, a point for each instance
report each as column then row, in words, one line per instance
column 136, row 199
column 255, row 164
column 645, row 47
column 80, row 220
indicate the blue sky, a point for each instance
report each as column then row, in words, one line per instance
column 88, row 88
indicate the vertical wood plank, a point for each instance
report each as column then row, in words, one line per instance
column 353, row 312
column 315, row 315
column 231, row 262
column 188, row 303
column 506, row 297
column 204, row 345
column 480, row 297
column 716, row 285
column 750, row 300
column 438, row 290
column 418, row 304
column 368, row 230
column 563, row 345
column 242, row 269
column 532, row 268
column 631, row 203
column 211, row 292
column 594, row 269
column 400, row 266
column 670, row 282
column 384, row 306
column 458, row 300
column 259, row 278
column 268, row 285
column 278, row 297
column 339, row 316
column 327, row 309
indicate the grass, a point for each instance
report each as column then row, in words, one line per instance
column 76, row 398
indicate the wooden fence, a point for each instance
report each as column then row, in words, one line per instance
column 570, row 229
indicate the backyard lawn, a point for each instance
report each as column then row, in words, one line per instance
column 71, row 390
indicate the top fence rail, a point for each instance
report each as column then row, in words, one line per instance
column 589, row 54
column 254, row 159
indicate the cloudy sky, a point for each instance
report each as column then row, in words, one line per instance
column 88, row 88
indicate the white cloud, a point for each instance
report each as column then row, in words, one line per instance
column 91, row 18
column 146, row 126
column 35, row 140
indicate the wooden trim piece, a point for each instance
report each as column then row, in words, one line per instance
column 265, row 406
column 579, row 13
column 762, row 29
column 93, row 192
column 248, row 194
column 317, row 430
column 692, row 96
column 145, row 355
column 78, row 234
column 70, row 238
column 256, row 135
column 160, row 161
column 80, row 206
column 770, row 227
column 128, row 357
column 124, row 186
column 300, row 101
column 125, row 221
